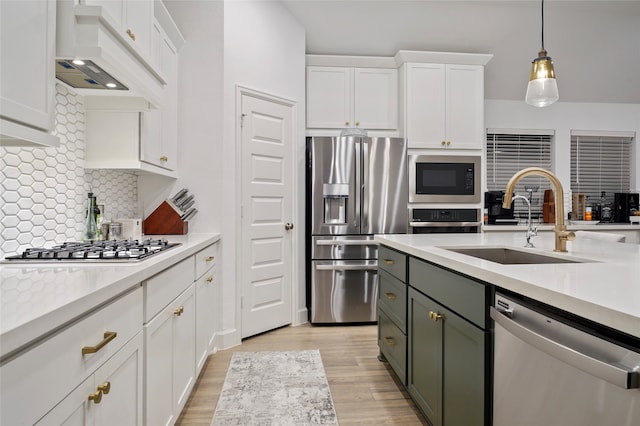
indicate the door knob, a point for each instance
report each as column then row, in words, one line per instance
column 288, row 226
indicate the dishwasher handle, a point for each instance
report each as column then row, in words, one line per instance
column 595, row 367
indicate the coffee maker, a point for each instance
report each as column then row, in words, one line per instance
column 624, row 205
column 497, row 215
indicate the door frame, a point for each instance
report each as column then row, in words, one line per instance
column 240, row 274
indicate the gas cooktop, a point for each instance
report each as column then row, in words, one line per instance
column 94, row 251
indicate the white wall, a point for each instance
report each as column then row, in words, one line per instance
column 264, row 50
column 564, row 117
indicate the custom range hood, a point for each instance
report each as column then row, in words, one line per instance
column 94, row 57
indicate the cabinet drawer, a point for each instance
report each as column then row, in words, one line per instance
column 393, row 262
column 393, row 345
column 392, row 299
column 162, row 288
column 206, row 259
column 466, row 297
column 35, row 381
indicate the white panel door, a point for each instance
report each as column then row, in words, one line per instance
column 267, row 214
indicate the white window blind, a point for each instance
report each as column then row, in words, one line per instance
column 600, row 163
column 513, row 150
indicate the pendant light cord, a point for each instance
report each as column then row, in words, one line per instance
column 542, row 24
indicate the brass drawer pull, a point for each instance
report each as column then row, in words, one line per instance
column 164, row 158
column 131, row 35
column 179, row 311
column 390, row 341
column 96, row 397
column 209, row 258
column 209, row 279
column 435, row 316
column 105, row 387
column 391, row 296
column 389, row 262
column 108, row 336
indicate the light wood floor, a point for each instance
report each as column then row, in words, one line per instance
column 364, row 390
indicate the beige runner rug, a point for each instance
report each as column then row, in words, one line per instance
column 275, row 388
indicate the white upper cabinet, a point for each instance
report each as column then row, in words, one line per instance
column 341, row 97
column 444, row 105
column 133, row 20
column 27, row 76
column 159, row 141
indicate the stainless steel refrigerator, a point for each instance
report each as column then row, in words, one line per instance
column 356, row 187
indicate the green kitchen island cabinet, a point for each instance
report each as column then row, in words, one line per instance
column 449, row 363
column 392, row 310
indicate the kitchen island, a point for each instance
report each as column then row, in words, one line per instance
column 604, row 287
column 436, row 312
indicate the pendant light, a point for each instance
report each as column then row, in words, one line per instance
column 542, row 89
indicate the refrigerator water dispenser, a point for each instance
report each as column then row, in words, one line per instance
column 335, row 202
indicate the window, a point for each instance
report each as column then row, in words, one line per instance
column 600, row 162
column 509, row 151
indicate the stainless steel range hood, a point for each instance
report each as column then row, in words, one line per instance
column 85, row 74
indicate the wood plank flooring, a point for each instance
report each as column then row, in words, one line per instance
column 365, row 391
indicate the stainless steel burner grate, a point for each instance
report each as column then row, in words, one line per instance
column 98, row 251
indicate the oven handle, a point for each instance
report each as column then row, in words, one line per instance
column 442, row 224
column 346, row 243
column 346, row 267
column 608, row 372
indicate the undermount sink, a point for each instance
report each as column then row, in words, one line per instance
column 508, row 256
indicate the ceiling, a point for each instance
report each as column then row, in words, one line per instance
column 595, row 44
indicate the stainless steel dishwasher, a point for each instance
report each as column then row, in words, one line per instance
column 549, row 372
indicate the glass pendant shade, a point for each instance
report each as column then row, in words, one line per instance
column 542, row 89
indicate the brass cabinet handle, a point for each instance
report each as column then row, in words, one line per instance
column 444, row 143
column 448, row 143
column 131, row 35
column 179, row 311
column 357, row 123
column 389, row 262
column 96, row 397
column 391, row 296
column 435, row 316
column 108, row 336
column 390, row 341
column 209, row 258
column 105, row 387
column 164, row 158
column 209, row 279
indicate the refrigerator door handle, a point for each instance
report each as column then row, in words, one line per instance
column 358, row 184
column 364, row 176
column 346, row 243
column 347, row 267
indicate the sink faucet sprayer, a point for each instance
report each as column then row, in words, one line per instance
column 531, row 230
column 562, row 235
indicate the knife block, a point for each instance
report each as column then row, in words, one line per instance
column 165, row 220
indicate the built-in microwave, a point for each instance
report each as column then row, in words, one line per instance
column 444, row 178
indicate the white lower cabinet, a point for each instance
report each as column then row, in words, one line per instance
column 207, row 294
column 115, row 390
column 170, row 359
column 51, row 382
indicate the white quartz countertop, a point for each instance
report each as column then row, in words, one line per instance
column 605, row 288
column 38, row 298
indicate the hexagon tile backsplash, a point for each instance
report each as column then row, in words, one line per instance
column 43, row 191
